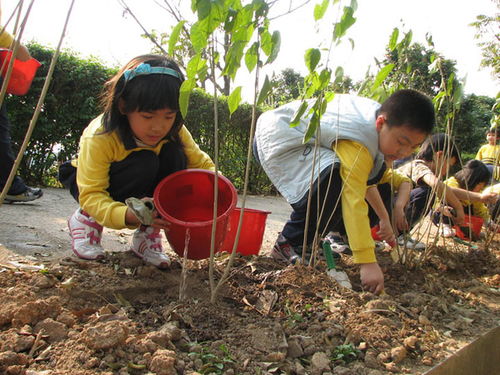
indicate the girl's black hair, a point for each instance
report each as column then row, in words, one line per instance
column 438, row 142
column 473, row 173
column 149, row 92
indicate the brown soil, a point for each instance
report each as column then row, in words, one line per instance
column 119, row 316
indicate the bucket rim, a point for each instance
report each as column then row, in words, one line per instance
column 195, row 224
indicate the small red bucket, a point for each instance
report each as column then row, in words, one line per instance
column 251, row 234
column 22, row 74
column 185, row 199
column 471, row 224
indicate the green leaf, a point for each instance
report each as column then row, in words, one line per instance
column 174, row 37
column 346, row 21
column 393, row 41
column 324, row 78
column 275, row 47
column 382, row 75
column 312, row 57
column 320, row 10
column 234, row 100
column 264, row 91
column 266, row 42
column 203, row 8
column 298, row 114
column 312, row 127
column 252, row 57
column 199, row 36
column 184, row 94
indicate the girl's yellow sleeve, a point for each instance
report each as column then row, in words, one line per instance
column 355, row 167
column 195, row 156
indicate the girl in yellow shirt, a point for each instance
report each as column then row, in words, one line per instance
column 125, row 152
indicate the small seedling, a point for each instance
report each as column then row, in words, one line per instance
column 213, row 364
column 345, row 353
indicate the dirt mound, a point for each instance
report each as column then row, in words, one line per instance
column 120, row 316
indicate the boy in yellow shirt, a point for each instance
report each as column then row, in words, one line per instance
column 489, row 154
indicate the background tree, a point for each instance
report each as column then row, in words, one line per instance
column 471, row 123
column 489, row 40
column 72, row 101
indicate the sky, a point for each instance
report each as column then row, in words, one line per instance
column 100, row 28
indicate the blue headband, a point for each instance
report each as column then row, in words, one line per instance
column 144, row 69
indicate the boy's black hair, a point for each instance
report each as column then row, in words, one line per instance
column 149, row 92
column 409, row 108
column 438, row 142
column 473, row 173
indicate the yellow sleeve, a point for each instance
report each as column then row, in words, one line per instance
column 355, row 167
column 481, row 210
column 196, row 158
column 94, row 161
column 5, row 39
column 394, row 177
column 479, row 155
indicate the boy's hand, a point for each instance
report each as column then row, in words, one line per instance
column 400, row 220
column 489, row 198
column 372, row 278
column 385, row 232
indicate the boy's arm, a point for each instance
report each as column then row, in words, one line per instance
column 356, row 163
column 446, row 193
column 402, row 199
column 375, row 200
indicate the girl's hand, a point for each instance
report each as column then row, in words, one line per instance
column 459, row 217
column 160, row 223
column 372, row 278
column 385, row 232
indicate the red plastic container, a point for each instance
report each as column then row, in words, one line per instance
column 22, row 74
column 474, row 223
column 185, row 199
column 376, row 237
column 251, row 234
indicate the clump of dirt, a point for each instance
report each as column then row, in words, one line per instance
column 119, row 316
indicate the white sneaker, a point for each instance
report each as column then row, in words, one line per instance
column 85, row 235
column 409, row 243
column 146, row 244
column 447, row 231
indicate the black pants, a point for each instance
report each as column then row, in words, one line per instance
column 135, row 176
column 329, row 193
column 7, row 157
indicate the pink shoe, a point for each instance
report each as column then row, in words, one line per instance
column 146, row 244
column 85, row 235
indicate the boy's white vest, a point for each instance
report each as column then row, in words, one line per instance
column 288, row 162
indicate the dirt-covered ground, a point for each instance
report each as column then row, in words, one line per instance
column 61, row 315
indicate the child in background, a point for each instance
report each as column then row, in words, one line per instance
column 474, row 176
column 358, row 136
column 125, row 152
column 430, row 165
column 489, row 154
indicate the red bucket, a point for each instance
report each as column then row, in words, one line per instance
column 22, row 74
column 471, row 225
column 185, row 199
column 251, row 234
